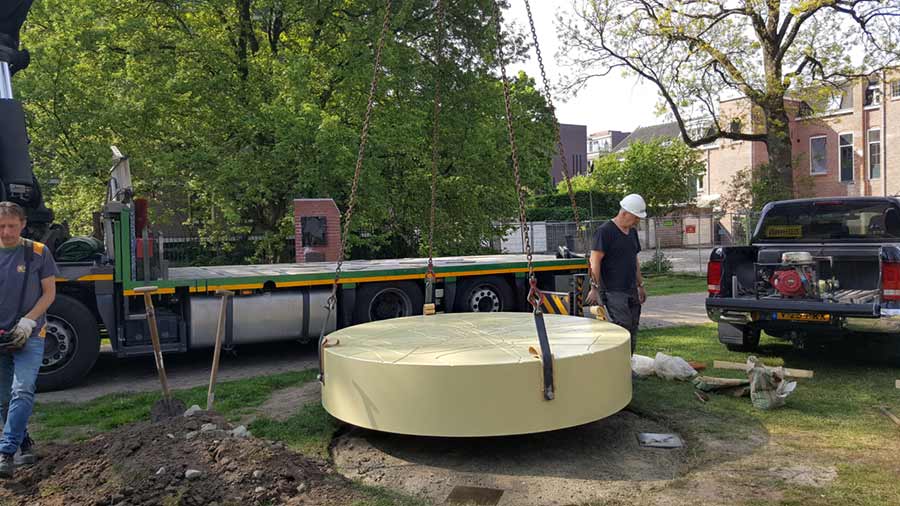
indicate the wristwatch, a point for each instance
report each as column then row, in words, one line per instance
column 595, row 284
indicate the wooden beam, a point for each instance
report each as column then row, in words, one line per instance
column 890, row 415
column 737, row 366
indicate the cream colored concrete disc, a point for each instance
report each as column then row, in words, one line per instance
column 472, row 374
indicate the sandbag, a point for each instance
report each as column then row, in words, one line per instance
column 673, row 368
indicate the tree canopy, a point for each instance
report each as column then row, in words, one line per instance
column 231, row 108
column 662, row 171
column 698, row 52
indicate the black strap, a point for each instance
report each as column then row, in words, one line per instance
column 29, row 256
column 546, row 356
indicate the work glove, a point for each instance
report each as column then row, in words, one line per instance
column 21, row 332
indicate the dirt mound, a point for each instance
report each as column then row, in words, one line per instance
column 200, row 460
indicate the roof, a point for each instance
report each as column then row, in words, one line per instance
column 649, row 133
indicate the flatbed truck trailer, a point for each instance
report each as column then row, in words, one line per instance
column 278, row 302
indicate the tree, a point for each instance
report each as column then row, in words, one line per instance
column 697, row 52
column 231, row 108
column 662, row 171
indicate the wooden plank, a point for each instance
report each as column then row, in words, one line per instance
column 727, row 382
column 897, row 383
column 890, row 415
column 737, row 366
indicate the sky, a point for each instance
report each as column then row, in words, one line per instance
column 608, row 103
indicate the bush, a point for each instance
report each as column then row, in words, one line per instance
column 659, row 264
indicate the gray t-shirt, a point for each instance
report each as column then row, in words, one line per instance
column 12, row 275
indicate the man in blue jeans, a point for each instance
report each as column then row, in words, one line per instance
column 27, row 288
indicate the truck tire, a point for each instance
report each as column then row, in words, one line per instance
column 71, row 347
column 485, row 294
column 381, row 301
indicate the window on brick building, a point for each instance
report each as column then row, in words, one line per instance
column 845, row 155
column 895, row 89
column 873, row 94
column 874, row 153
column 817, row 155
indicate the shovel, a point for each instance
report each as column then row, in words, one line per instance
column 166, row 407
column 220, row 332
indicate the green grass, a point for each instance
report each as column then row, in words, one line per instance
column 670, row 284
column 833, row 417
column 308, row 432
column 59, row 420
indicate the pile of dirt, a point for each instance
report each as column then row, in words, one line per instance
column 197, row 460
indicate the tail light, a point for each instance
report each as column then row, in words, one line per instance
column 714, row 277
column 890, row 280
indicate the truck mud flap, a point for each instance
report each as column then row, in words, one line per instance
column 731, row 334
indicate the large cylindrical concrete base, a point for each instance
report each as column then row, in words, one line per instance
column 472, row 374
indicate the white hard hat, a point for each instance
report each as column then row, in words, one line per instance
column 635, row 205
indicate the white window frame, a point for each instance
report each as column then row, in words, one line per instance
column 839, row 159
column 812, row 158
column 877, row 96
column 869, row 154
column 895, row 89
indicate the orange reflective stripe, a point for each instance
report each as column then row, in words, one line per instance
column 37, row 247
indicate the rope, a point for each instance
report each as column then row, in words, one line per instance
column 351, row 204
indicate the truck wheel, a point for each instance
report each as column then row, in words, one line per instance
column 381, row 301
column 487, row 294
column 72, row 344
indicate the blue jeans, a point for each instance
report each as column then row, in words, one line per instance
column 18, row 378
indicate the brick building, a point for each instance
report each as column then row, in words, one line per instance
column 852, row 148
column 602, row 143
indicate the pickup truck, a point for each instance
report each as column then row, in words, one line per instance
column 816, row 270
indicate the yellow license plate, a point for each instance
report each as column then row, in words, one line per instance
column 805, row 317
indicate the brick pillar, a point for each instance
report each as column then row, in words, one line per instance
column 323, row 219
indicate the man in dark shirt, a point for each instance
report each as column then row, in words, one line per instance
column 27, row 288
column 615, row 271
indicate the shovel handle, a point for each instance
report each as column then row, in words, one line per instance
column 147, row 291
column 220, row 332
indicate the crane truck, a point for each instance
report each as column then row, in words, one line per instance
column 97, row 298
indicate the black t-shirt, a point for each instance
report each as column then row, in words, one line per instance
column 618, row 270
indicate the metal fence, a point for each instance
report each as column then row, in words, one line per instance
column 193, row 250
column 686, row 240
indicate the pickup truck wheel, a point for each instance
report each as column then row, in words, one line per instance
column 486, row 294
column 751, row 341
column 71, row 346
column 381, row 301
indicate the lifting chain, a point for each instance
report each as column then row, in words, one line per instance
column 430, row 277
column 351, row 203
column 535, row 297
column 559, row 143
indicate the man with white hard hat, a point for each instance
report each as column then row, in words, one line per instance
column 616, row 280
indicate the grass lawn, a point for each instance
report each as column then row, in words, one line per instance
column 830, row 421
column 670, row 284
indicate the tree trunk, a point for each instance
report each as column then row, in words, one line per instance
column 778, row 141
